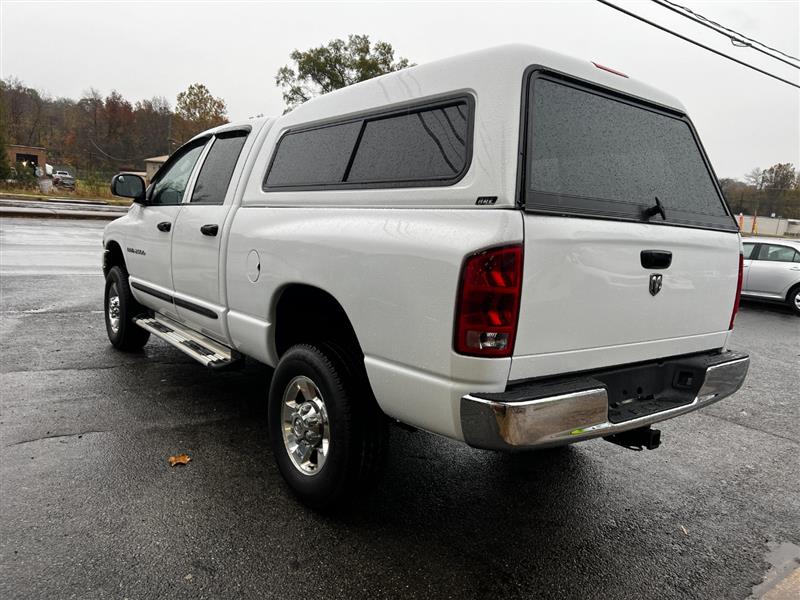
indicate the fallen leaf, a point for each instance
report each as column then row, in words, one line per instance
column 179, row 459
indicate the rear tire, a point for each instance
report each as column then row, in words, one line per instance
column 326, row 431
column 120, row 309
column 793, row 299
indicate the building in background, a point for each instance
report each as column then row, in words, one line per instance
column 28, row 156
column 152, row 165
column 768, row 226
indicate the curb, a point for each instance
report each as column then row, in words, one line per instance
column 45, row 213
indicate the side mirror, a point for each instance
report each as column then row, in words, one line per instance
column 129, row 185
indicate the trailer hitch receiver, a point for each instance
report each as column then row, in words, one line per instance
column 637, row 439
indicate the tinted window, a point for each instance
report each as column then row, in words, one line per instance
column 774, row 252
column 171, row 184
column 428, row 144
column 593, row 154
column 215, row 174
column 313, row 157
column 748, row 250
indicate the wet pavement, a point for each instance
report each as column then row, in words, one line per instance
column 90, row 508
column 63, row 208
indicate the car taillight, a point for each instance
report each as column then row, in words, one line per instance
column 488, row 302
column 738, row 291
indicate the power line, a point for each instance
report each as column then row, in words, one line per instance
column 107, row 155
column 736, row 38
column 741, row 38
column 696, row 43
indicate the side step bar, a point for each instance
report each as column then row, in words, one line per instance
column 201, row 348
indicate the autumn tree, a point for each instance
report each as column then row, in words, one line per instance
column 152, row 126
column 196, row 110
column 333, row 66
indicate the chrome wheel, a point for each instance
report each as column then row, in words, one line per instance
column 797, row 300
column 306, row 431
column 113, row 308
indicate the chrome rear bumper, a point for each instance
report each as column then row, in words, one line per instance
column 579, row 410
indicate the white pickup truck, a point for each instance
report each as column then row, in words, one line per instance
column 512, row 248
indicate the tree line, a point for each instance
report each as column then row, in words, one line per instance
column 765, row 192
column 98, row 133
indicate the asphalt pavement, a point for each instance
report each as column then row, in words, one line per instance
column 90, row 508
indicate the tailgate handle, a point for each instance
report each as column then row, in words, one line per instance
column 656, row 259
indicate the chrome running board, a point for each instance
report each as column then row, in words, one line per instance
column 201, row 348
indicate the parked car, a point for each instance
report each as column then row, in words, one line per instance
column 63, row 179
column 772, row 270
column 512, row 248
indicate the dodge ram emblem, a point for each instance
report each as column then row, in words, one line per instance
column 655, row 283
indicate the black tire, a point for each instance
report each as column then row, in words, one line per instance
column 357, row 429
column 127, row 336
column 793, row 299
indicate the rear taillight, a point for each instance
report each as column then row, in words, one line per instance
column 738, row 291
column 488, row 302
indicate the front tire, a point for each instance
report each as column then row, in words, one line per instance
column 120, row 309
column 326, row 431
column 793, row 300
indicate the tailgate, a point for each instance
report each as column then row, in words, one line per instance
column 587, row 300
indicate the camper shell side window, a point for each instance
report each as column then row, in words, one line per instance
column 425, row 144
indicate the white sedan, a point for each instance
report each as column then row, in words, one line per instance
column 772, row 270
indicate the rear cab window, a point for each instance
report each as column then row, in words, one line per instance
column 593, row 153
column 215, row 174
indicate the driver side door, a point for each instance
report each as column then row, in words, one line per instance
column 148, row 245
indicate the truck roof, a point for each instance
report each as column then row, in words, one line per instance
column 482, row 71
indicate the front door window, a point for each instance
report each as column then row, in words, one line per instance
column 171, row 185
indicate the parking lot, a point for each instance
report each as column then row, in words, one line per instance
column 90, row 508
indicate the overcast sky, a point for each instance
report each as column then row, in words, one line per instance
column 145, row 49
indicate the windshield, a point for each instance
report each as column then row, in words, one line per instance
column 593, row 154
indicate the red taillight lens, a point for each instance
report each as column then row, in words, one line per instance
column 738, row 291
column 488, row 302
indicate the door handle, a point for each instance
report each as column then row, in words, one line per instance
column 794, row 268
column 656, row 259
column 164, row 226
column 209, row 230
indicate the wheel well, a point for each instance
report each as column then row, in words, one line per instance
column 306, row 314
column 112, row 257
column 791, row 291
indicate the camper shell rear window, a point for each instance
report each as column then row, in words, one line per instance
column 591, row 152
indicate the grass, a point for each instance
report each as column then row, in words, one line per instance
column 83, row 191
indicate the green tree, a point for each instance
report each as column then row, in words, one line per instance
column 780, row 177
column 196, row 110
column 336, row 65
